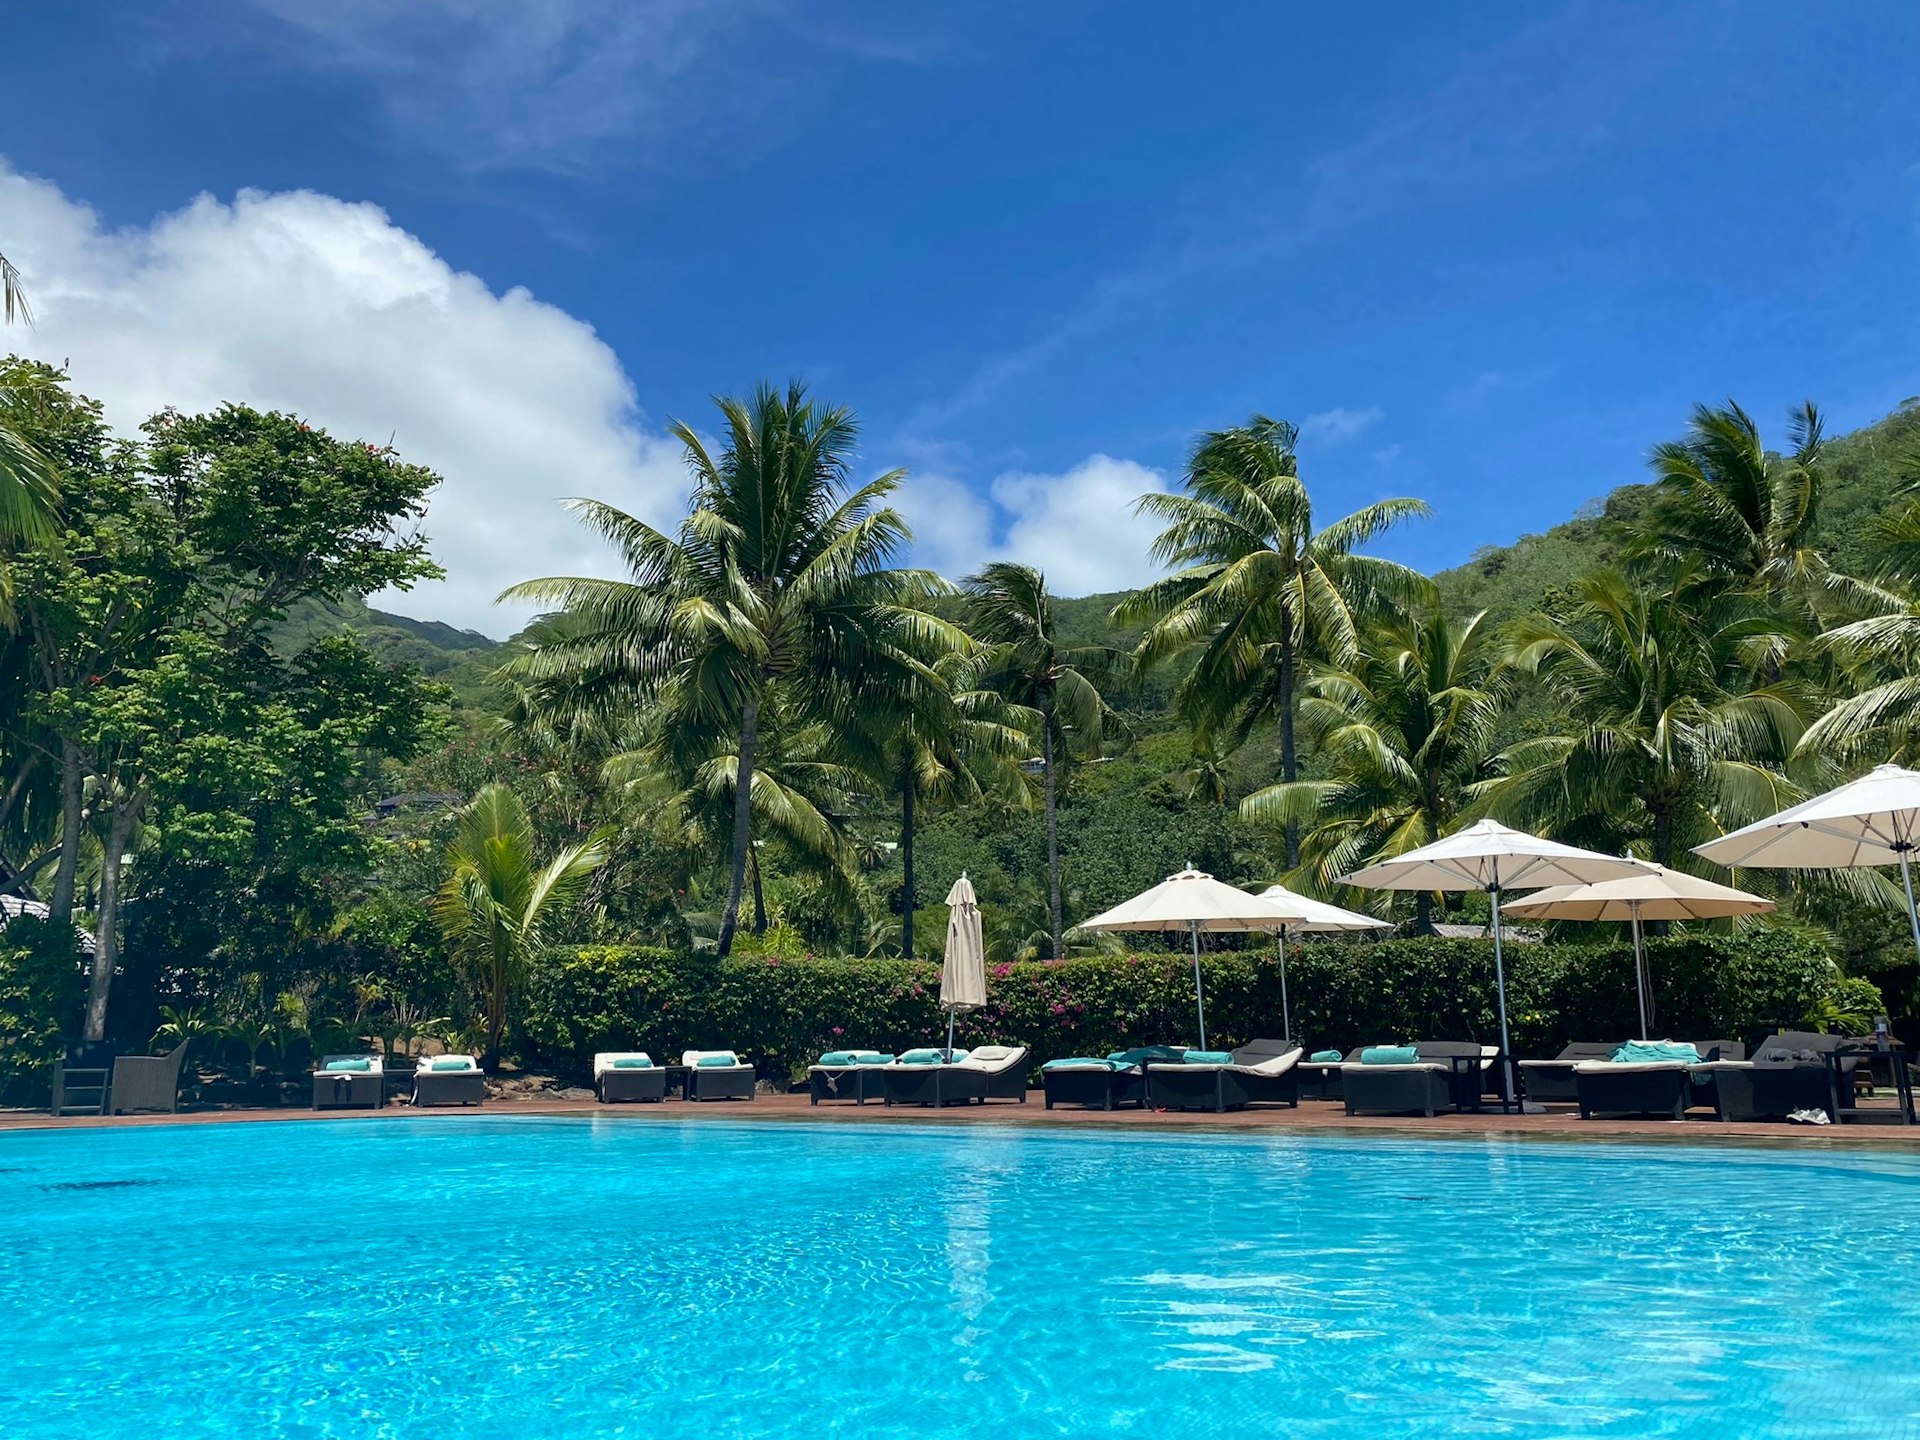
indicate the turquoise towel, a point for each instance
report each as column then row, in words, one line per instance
column 921, row 1057
column 839, row 1057
column 872, row 1057
column 462, row 1064
column 633, row 1062
column 1643, row 1052
column 1327, row 1057
column 1079, row 1062
column 1389, row 1055
column 718, row 1062
column 1207, row 1057
column 353, row 1065
column 1141, row 1053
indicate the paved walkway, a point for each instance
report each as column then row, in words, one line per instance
column 1312, row 1117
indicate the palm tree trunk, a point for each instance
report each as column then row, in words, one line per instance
column 61, row 906
column 497, row 999
column 106, row 935
column 1423, row 912
column 906, row 861
column 1053, row 822
column 742, row 824
column 1289, row 768
column 759, row 892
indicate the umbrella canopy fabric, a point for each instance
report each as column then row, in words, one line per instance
column 1487, row 856
column 1654, row 894
column 963, row 974
column 1874, row 820
column 1191, row 900
column 1311, row 914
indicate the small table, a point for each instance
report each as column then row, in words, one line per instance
column 1840, row 1081
column 1465, row 1082
column 677, row 1079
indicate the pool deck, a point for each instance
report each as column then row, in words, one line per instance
column 1316, row 1117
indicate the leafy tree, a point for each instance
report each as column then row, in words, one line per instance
column 1258, row 591
column 498, row 904
column 1010, row 614
column 1404, row 732
column 779, row 588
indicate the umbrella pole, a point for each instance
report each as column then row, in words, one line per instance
column 951, row 1013
column 1199, row 995
column 1639, row 969
column 1906, row 879
column 1286, row 1016
column 1500, row 984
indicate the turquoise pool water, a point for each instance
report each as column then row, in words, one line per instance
column 516, row 1278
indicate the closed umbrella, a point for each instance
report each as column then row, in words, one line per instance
column 1656, row 894
column 1874, row 820
column 1192, row 901
column 963, row 973
column 1495, row 858
column 1310, row 914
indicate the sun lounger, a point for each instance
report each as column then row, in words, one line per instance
column 717, row 1075
column 350, row 1082
column 1657, row 1086
column 448, row 1080
column 1005, row 1067
column 1409, row 1085
column 846, row 1075
column 1088, row 1080
column 1262, row 1072
column 1553, row 1079
column 1787, row 1072
column 627, row 1075
column 923, row 1077
column 146, row 1082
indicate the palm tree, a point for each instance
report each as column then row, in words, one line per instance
column 13, row 299
column 1405, row 731
column 498, row 906
column 1258, row 591
column 1673, row 731
column 779, row 581
column 1010, row 614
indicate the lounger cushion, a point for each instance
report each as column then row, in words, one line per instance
column 993, row 1054
column 1389, row 1055
column 1207, row 1057
column 1327, row 1057
column 1645, row 1052
column 363, row 1064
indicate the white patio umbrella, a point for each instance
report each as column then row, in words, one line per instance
column 1310, row 914
column 1656, row 894
column 1495, row 858
column 963, row 973
column 1874, row 820
column 1192, row 901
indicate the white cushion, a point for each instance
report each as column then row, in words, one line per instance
column 603, row 1060
column 1279, row 1064
column 693, row 1057
column 427, row 1062
column 377, row 1068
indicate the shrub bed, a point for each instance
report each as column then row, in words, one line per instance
column 781, row 1013
column 42, row 994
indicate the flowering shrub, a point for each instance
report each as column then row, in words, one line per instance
column 781, row 1016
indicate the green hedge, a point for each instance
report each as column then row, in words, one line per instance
column 781, row 1013
column 42, row 994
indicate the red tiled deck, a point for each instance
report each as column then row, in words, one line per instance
column 1313, row 1117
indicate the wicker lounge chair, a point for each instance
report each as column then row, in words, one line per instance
column 438, row 1081
column 627, row 1075
column 146, row 1082
column 1262, row 1072
column 718, row 1078
column 1416, row 1087
column 1005, row 1067
column 854, row 1076
column 1553, row 1079
column 350, row 1082
column 1788, row 1072
column 915, row 1080
column 1104, row 1084
column 81, row 1078
column 1660, row 1087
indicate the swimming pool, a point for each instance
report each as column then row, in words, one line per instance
column 517, row 1278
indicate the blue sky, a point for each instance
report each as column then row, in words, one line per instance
column 1485, row 255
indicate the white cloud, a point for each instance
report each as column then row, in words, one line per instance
column 1332, row 427
column 305, row 303
column 1077, row 526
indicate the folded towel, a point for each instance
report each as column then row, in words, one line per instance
column 633, row 1062
column 453, row 1062
column 924, row 1056
column 1647, row 1052
column 839, row 1057
column 1327, row 1057
column 872, row 1057
column 1207, row 1057
column 356, row 1066
column 1389, row 1055
column 1164, row 1054
column 1079, row 1062
column 722, row 1061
